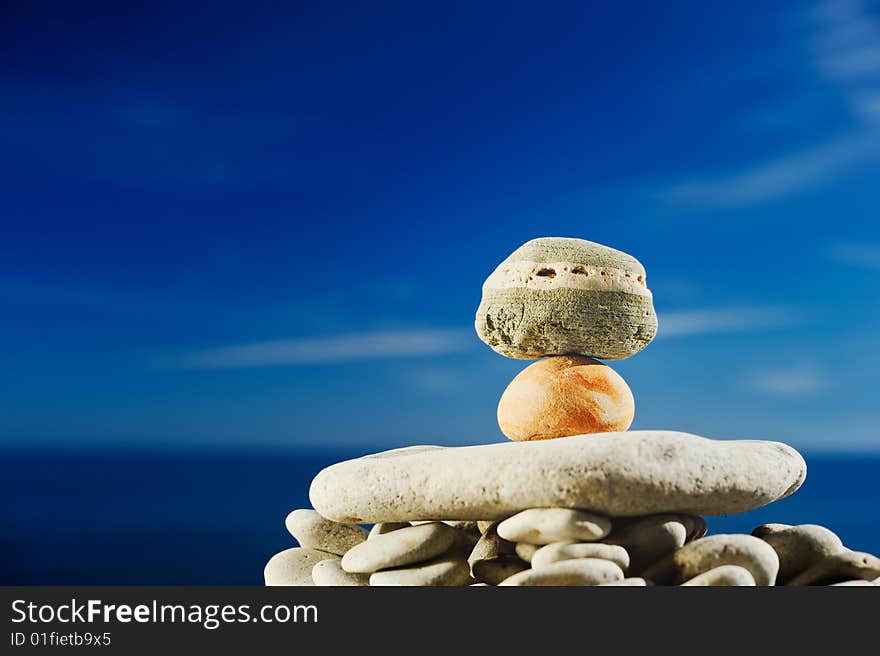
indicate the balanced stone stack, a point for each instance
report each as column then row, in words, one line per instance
column 575, row 498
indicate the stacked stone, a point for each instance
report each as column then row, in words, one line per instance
column 569, row 302
column 600, row 505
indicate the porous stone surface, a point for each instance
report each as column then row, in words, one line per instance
column 316, row 532
column 397, row 548
column 799, row 547
column 330, row 573
column 712, row 551
column 546, row 525
column 557, row 551
column 574, row 572
column 616, row 474
column 565, row 395
column 556, row 295
column 294, row 566
column 446, row 570
column 725, row 575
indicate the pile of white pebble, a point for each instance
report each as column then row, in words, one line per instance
column 575, row 499
column 543, row 546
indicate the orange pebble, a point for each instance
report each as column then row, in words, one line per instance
column 565, row 395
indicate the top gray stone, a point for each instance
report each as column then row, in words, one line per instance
column 557, row 295
column 614, row 474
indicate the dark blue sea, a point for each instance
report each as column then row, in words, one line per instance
column 214, row 517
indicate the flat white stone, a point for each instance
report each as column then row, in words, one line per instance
column 547, row 525
column 557, row 551
column 614, row 474
column 397, row 548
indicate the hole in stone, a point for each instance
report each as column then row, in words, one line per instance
column 579, row 270
column 546, row 273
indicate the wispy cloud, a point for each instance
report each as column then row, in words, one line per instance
column 323, row 350
column 790, row 382
column 848, row 43
column 845, row 52
column 710, row 321
column 777, row 178
column 861, row 255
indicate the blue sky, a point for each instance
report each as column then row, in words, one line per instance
column 269, row 223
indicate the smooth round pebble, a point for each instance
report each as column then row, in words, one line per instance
column 294, row 566
column 444, row 571
column 712, row 551
column 330, row 573
column 726, row 575
column 565, row 395
column 632, row 582
column 558, row 295
column 799, row 547
column 579, row 571
column 557, row 551
column 842, row 566
column 405, row 546
column 313, row 531
column 546, row 525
